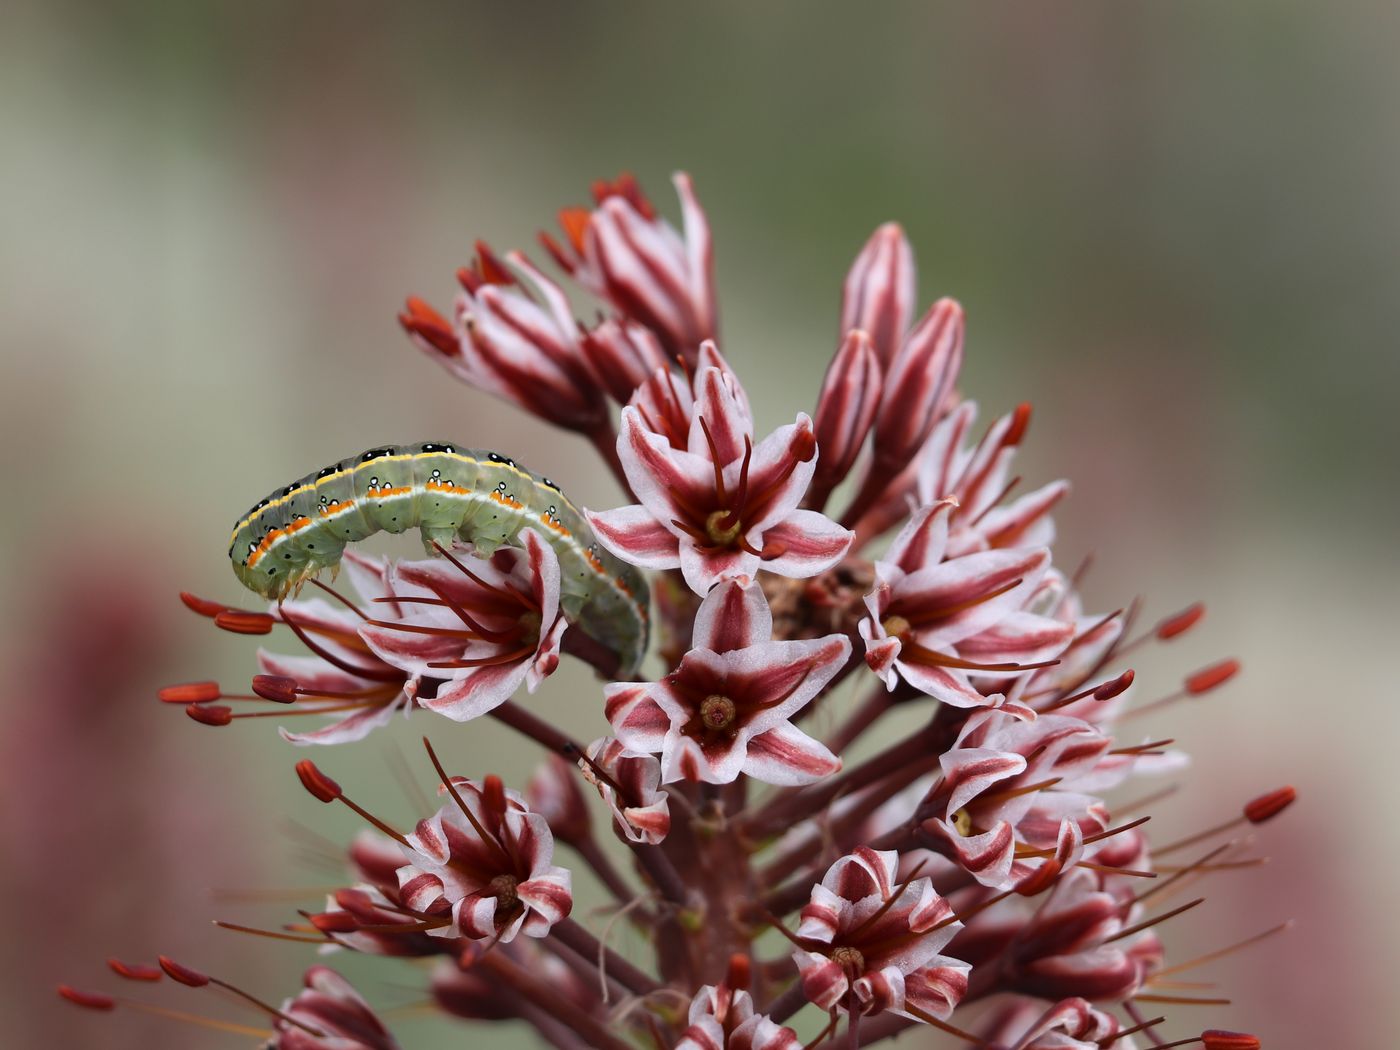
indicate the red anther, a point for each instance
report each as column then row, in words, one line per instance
column 90, row 1000
column 183, row 974
column 1216, row 1039
column 740, row 971
column 1266, row 807
column 239, row 622
column 420, row 319
column 1112, row 688
column 489, row 265
column 275, row 687
column 202, row 606
column 190, row 693
column 1020, row 421
column 335, row 922
column 210, row 714
column 317, row 783
column 135, row 971
column 1181, row 622
column 1039, row 880
column 1210, row 677
column 493, row 794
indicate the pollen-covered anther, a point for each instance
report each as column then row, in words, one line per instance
column 87, row 1000
column 190, row 693
column 182, row 974
column 1179, row 623
column 1114, row 687
column 849, row 959
column 237, row 621
column 275, row 687
column 320, row 786
column 1217, row 1039
column 210, row 714
column 717, row 712
column 1211, row 677
column 135, row 971
column 1266, row 807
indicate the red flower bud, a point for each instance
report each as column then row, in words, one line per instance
column 878, row 296
column 845, row 411
column 918, row 382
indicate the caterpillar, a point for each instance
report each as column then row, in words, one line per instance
column 446, row 492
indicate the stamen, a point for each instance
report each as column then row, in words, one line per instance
column 279, row 689
column 340, row 598
column 324, row 789
column 1147, row 924
column 720, row 492
column 372, row 673
column 1123, row 1033
column 210, row 714
column 190, row 693
column 195, row 979
column 487, row 839
column 236, row 621
column 1220, row 953
column 135, row 971
column 1179, row 623
column 276, row 935
column 1256, row 811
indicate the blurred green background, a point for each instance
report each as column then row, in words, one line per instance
column 1174, row 227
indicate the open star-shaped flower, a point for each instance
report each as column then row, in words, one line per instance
column 722, row 507
column 725, row 709
column 487, row 625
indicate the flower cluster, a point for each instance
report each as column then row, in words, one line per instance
column 744, row 791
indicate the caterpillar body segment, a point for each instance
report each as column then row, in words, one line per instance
column 446, row 492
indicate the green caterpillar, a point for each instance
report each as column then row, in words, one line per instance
column 446, row 492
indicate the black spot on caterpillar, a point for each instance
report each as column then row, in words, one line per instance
column 446, row 492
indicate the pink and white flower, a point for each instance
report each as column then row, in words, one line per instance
column 869, row 945
column 350, row 674
column 721, row 507
column 512, row 334
column 623, row 252
column 486, row 625
column 630, row 786
column 330, row 1006
column 482, row 866
column 1005, row 785
column 1070, row 1024
column 723, row 1018
column 726, row 709
column 938, row 622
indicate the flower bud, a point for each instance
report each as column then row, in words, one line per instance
column 918, row 383
column 845, row 410
column 878, row 296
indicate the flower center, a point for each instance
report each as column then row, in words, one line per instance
column 530, row 626
column 849, row 959
column 896, row 626
column 503, row 888
column 717, row 712
column 962, row 820
column 723, row 527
